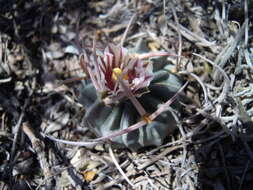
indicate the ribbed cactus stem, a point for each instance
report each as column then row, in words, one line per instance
column 117, row 75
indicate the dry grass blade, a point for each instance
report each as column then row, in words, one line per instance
column 5, row 80
column 17, row 129
column 123, row 39
column 193, row 37
column 179, row 37
column 227, row 52
column 74, row 143
column 119, row 168
column 246, row 17
column 158, row 157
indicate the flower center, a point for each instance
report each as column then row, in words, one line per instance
column 118, row 72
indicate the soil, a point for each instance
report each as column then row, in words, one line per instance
column 41, row 42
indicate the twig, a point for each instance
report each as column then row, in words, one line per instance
column 119, row 168
column 158, row 157
column 179, row 37
column 243, row 176
column 154, row 54
column 247, row 58
column 191, row 36
column 127, row 30
column 224, row 94
column 246, row 15
column 177, row 142
column 5, row 80
column 226, row 53
column 86, row 144
column 38, row 146
column 16, row 129
column 150, row 181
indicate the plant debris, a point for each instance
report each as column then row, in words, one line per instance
column 40, row 78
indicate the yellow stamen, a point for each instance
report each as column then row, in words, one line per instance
column 146, row 118
column 118, row 72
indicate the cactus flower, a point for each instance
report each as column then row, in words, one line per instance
column 104, row 69
column 123, row 90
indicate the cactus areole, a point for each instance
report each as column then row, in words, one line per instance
column 124, row 88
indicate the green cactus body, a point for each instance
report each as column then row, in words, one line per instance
column 106, row 119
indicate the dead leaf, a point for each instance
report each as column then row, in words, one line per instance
column 89, row 175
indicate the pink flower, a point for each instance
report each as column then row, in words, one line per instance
column 105, row 69
column 116, row 74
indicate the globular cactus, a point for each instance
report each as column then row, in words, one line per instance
column 123, row 89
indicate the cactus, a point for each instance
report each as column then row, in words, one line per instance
column 122, row 90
